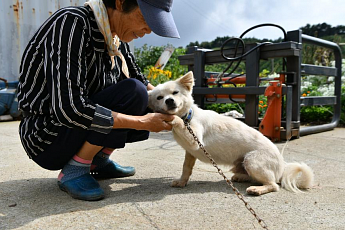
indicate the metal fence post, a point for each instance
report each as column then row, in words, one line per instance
column 252, row 79
column 294, row 65
column 199, row 72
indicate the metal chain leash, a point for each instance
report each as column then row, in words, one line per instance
column 238, row 194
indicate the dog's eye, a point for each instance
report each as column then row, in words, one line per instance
column 175, row 92
column 159, row 98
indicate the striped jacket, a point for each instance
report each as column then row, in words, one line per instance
column 64, row 64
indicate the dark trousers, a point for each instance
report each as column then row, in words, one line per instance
column 128, row 97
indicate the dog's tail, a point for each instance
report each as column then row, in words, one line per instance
column 297, row 176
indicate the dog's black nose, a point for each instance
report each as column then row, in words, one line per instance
column 170, row 102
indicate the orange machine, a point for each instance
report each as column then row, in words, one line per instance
column 270, row 125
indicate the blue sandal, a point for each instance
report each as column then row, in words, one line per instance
column 84, row 187
column 113, row 170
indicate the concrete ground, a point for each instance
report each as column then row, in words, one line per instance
column 31, row 199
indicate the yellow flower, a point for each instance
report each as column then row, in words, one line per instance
column 261, row 102
column 303, row 95
column 308, row 91
column 167, row 73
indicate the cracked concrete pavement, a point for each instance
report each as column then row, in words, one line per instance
column 31, row 199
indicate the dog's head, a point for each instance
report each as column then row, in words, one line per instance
column 173, row 97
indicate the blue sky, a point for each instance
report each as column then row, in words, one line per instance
column 204, row 20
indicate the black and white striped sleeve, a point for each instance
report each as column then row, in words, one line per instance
column 66, row 69
column 133, row 68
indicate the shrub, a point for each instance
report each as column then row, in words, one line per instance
column 223, row 108
column 316, row 114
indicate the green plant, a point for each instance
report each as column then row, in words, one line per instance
column 262, row 105
column 316, row 114
column 223, row 108
column 147, row 56
column 157, row 76
column 264, row 73
column 342, row 114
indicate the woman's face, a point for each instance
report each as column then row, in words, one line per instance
column 127, row 26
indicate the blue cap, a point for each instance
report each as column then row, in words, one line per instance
column 157, row 14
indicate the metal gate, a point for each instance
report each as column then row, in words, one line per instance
column 292, row 51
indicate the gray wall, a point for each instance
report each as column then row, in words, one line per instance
column 18, row 22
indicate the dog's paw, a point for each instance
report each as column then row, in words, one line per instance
column 260, row 190
column 179, row 183
column 240, row 178
column 177, row 122
column 254, row 190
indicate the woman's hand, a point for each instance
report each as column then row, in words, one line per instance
column 156, row 122
column 153, row 122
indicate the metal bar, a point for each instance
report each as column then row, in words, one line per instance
column 319, row 42
column 312, row 101
column 337, row 85
column 252, row 79
column 280, row 53
column 293, row 65
column 316, row 129
column 199, row 72
column 250, row 90
column 274, row 50
column 220, row 100
column 288, row 112
column 187, row 59
column 281, row 46
column 318, row 70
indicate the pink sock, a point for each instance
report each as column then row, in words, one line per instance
column 101, row 159
column 74, row 168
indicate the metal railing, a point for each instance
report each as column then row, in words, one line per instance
column 335, row 100
column 196, row 60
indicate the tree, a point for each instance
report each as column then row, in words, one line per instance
column 322, row 30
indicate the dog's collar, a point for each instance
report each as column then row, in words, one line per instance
column 188, row 117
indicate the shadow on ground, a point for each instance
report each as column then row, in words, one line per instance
column 23, row 201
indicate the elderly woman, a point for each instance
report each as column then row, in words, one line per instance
column 81, row 93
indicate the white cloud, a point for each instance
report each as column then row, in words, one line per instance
column 204, row 20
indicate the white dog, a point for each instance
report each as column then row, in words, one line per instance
column 229, row 141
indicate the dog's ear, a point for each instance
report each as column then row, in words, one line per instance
column 187, row 81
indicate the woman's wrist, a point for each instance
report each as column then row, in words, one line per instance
column 153, row 122
column 123, row 121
